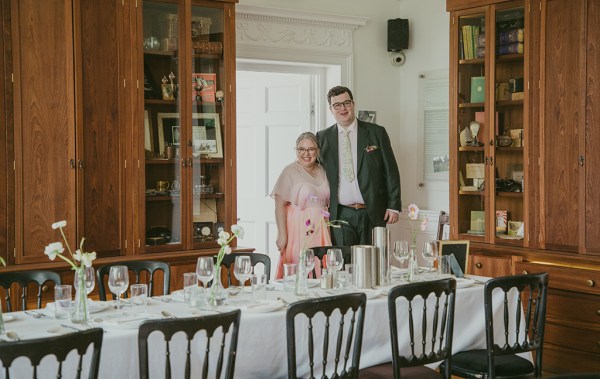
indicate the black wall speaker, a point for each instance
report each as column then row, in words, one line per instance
column 397, row 34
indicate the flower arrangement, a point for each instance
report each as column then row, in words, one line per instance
column 413, row 215
column 371, row 148
column 224, row 239
column 56, row 249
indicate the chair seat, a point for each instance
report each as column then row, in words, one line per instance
column 475, row 361
column 386, row 371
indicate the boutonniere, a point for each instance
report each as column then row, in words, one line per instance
column 371, row 148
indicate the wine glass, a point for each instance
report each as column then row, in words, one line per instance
column 242, row 269
column 430, row 253
column 308, row 260
column 401, row 252
column 89, row 279
column 335, row 261
column 205, row 270
column 118, row 281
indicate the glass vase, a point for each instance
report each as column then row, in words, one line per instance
column 80, row 312
column 217, row 293
column 413, row 266
column 301, row 288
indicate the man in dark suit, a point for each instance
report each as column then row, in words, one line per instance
column 361, row 168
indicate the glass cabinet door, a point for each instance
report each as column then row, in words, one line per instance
column 509, row 122
column 208, row 118
column 471, row 102
column 162, row 126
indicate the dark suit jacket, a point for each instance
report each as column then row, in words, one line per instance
column 378, row 176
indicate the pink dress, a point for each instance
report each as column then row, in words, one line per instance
column 307, row 198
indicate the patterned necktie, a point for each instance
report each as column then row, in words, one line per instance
column 348, row 165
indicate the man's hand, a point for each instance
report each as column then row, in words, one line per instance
column 390, row 217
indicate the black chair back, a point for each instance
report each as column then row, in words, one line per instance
column 149, row 269
column 321, row 252
column 228, row 323
column 23, row 278
column 59, row 346
column 345, row 346
column 520, row 325
column 255, row 258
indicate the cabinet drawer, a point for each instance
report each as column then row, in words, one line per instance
column 566, row 278
column 483, row 265
column 574, row 338
column 573, row 306
column 559, row 360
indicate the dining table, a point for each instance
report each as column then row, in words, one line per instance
column 262, row 345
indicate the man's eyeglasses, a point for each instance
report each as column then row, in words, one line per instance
column 338, row 106
column 310, row 150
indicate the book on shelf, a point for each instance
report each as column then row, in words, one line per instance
column 510, row 48
column 501, row 221
column 510, row 36
column 517, row 96
column 204, row 87
column 510, row 19
column 477, row 89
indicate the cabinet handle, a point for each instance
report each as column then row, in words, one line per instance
column 80, row 164
column 183, row 162
column 45, row 289
column 72, row 163
column 491, row 142
column 598, row 312
column 478, row 265
column 598, row 343
column 525, row 272
column 581, row 160
column 590, row 283
column 190, row 162
column 491, row 161
column 486, row 160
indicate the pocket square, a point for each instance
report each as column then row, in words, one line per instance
column 371, row 148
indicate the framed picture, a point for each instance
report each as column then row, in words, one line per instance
column 460, row 249
column 175, row 134
column 217, row 228
column 515, row 228
column 203, row 231
column 368, row 116
column 206, row 135
column 148, row 140
column 167, row 124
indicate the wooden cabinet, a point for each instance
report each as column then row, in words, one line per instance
column 569, row 113
column 490, row 266
column 187, row 131
column 93, row 137
column 489, row 123
column 572, row 336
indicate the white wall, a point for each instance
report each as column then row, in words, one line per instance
column 389, row 90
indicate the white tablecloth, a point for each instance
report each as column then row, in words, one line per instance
column 262, row 347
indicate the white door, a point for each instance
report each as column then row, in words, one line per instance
column 272, row 110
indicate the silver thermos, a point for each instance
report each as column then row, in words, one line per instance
column 364, row 259
column 381, row 239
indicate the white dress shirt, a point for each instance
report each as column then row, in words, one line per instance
column 349, row 192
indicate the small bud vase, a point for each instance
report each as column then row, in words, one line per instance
column 80, row 312
column 217, row 293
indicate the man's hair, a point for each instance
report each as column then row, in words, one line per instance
column 338, row 90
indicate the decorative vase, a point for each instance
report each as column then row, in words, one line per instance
column 413, row 266
column 80, row 312
column 218, row 294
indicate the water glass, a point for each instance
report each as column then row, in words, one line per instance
column 444, row 264
column 259, row 287
column 190, row 280
column 430, row 253
column 289, row 276
column 349, row 269
column 62, row 301
column 139, row 296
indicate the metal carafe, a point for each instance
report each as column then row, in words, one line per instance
column 381, row 239
column 364, row 259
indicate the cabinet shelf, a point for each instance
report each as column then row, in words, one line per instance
column 176, row 161
column 159, row 102
column 510, row 58
column 471, row 105
column 509, row 103
column 509, row 149
column 161, row 53
column 471, row 148
column 479, row 61
column 472, row 193
column 509, row 194
column 217, row 195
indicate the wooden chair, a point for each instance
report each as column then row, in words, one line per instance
column 23, row 278
column 60, row 346
column 499, row 359
column 255, row 258
column 427, row 346
column 349, row 328
column 149, row 268
column 228, row 323
column 321, row 252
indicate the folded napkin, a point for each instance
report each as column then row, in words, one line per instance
column 93, row 307
column 264, row 306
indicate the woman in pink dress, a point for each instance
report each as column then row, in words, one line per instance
column 301, row 200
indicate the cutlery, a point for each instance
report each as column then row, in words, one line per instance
column 71, row 327
column 13, row 336
column 167, row 314
column 35, row 314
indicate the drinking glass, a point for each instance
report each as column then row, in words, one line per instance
column 401, row 252
column 118, row 281
column 308, row 261
column 62, row 301
column 289, row 276
column 430, row 253
column 89, row 279
column 190, row 281
column 205, row 270
column 335, row 261
column 242, row 269
column 139, row 296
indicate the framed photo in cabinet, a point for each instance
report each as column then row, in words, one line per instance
column 175, row 134
column 168, row 123
column 206, row 135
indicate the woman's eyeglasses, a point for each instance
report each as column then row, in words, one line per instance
column 338, row 106
column 310, row 150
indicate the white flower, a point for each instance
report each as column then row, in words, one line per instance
column 223, row 235
column 59, row 224
column 238, row 231
column 87, row 258
column 413, row 212
column 53, row 249
column 227, row 249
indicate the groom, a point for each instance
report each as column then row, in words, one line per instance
column 361, row 168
